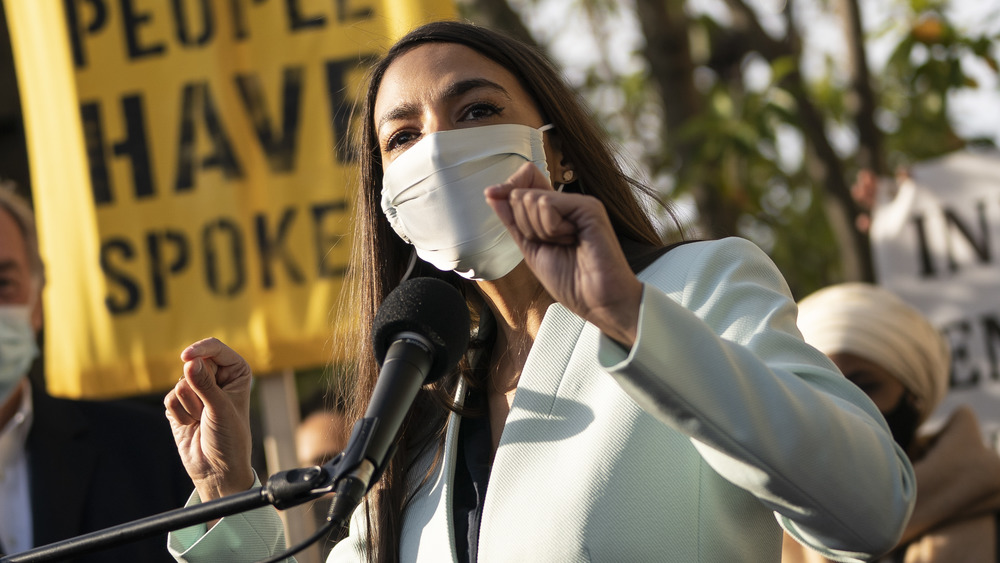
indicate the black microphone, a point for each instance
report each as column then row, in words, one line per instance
column 420, row 332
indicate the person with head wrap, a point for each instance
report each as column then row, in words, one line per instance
column 884, row 346
column 893, row 353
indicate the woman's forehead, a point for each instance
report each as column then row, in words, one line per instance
column 426, row 71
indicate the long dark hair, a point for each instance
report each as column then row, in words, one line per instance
column 379, row 257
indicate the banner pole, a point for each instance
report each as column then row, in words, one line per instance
column 280, row 417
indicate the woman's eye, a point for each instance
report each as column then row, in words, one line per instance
column 399, row 139
column 481, row 110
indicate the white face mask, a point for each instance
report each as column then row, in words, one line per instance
column 17, row 347
column 432, row 195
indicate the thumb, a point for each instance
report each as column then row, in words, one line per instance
column 202, row 379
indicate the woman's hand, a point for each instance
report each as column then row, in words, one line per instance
column 568, row 242
column 209, row 413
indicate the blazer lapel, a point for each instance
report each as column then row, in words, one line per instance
column 537, row 395
column 448, row 468
column 546, row 364
column 429, row 531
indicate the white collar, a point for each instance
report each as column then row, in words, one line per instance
column 15, row 433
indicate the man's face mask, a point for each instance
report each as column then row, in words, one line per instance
column 17, row 347
column 432, row 195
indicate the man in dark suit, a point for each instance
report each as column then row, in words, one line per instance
column 69, row 467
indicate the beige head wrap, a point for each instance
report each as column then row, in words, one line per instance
column 871, row 322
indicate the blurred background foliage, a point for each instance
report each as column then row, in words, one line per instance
column 722, row 112
column 753, row 115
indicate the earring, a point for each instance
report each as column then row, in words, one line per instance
column 567, row 176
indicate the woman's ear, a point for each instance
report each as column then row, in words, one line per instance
column 561, row 170
column 554, row 157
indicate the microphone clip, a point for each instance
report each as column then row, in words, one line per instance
column 350, row 472
column 286, row 489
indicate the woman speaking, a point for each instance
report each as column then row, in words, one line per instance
column 622, row 400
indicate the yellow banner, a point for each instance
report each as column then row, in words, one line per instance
column 190, row 175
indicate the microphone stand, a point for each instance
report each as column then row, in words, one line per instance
column 371, row 445
column 283, row 490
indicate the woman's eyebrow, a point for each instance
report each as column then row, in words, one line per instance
column 454, row 90
column 402, row 111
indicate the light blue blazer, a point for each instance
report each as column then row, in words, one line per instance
column 717, row 427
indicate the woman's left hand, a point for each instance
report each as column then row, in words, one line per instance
column 568, row 242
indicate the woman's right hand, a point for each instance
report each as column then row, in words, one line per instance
column 209, row 413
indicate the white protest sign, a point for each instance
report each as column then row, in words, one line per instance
column 936, row 243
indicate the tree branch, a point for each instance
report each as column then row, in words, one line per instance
column 665, row 28
column 827, row 168
column 870, row 153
